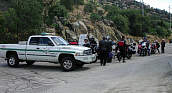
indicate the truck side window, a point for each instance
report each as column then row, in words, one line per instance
column 34, row 41
column 45, row 41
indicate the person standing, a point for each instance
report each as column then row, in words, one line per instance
column 157, row 46
column 109, row 47
column 122, row 48
column 103, row 51
column 86, row 43
column 148, row 47
column 162, row 46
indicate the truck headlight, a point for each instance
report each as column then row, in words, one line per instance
column 79, row 54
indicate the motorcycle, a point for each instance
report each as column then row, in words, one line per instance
column 129, row 51
column 139, row 48
column 133, row 48
column 118, row 55
column 143, row 51
column 153, row 48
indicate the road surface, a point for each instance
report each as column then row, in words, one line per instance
column 152, row 74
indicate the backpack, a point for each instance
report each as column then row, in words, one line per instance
column 121, row 43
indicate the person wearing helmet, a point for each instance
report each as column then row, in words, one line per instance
column 109, row 45
column 122, row 47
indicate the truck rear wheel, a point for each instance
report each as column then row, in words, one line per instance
column 13, row 61
column 68, row 63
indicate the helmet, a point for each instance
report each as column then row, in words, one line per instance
column 108, row 37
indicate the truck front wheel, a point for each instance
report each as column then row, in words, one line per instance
column 13, row 61
column 68, row 64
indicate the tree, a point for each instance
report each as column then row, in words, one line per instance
column 24, row 16
column 29, row 13
column 88, row 8
column 58, row 11
column 112, row 11
column 67, row 3
column 121, row 23
column 70, row 3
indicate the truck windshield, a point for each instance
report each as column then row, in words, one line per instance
column 59, row 41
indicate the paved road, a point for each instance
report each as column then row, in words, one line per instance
column 151, row 74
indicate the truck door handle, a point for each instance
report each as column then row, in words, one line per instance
column 37, row 48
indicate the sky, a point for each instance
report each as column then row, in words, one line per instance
column 161, row 4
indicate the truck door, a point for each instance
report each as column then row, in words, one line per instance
column 53, row 53
column 37, row 49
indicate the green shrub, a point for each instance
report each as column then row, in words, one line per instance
column 95, row 17
column 89, row 8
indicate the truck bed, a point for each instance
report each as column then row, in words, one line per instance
column 20, row 49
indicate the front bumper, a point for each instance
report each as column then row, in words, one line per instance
column 86, row 59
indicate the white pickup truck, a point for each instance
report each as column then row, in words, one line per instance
column 47, row 48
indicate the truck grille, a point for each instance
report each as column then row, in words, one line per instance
column 88, row 52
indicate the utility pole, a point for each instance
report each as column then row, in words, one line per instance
column 170, row 17
column 142, row 12
column 142, row 8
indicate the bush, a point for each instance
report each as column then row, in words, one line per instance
column 89, row 8
column 70, row 3
column 121, row 23
column 78, row 2
column 58, row 11
column 95, row 17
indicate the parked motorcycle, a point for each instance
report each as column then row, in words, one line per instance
column 118, row 55
column 153, row 48
column 144, row 50
column 129, row 51
column 139, row 48
column 133, row 48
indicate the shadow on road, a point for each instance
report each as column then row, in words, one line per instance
column 44, row 67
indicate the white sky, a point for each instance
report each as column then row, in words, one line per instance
column 161, row 4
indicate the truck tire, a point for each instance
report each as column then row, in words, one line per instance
column 95, row 60
column 68, row 63
column 13, row 61
column 29, row 63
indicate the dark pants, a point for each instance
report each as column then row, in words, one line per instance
column 162, row 50
column 103, row 58
column 158, row 50
column 123, row 54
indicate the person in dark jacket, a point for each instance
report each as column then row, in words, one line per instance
column 157, row 46
column 109, row 47
column 122, row 48
column 93, row 45
column 148, row 47
column 162, row 46
column 103, row 51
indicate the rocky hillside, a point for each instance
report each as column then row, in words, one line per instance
column 132, row 4
column 84, row 25
column 92, row 17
